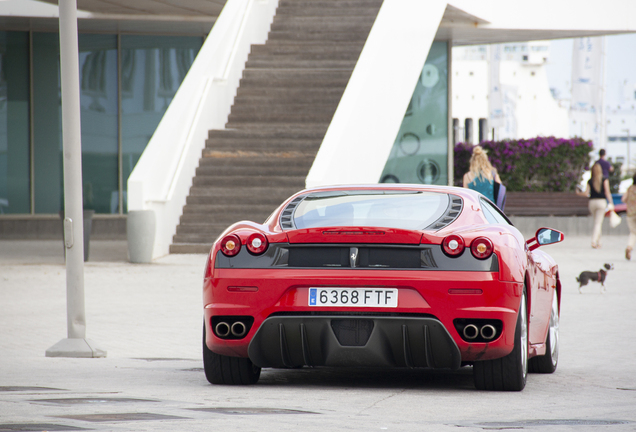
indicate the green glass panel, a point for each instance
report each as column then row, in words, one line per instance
column 98, row 103
column 420, row 152
column 152, row 68
column 47, row 124
column 14, row 123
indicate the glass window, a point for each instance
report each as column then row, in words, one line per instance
column 493, row 214
column 14, row 123
column 152, row 70
column 47, row 123
column 98, row 104
column 420, row 152
column 387, row 209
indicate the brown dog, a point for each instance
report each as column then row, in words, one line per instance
column 598, row 276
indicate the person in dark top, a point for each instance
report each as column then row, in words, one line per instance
column 600, row 199
column 607, row 167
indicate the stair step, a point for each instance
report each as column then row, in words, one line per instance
column 275, row 117
column 285, row 94
column 342, row 50
column 300, row 64
column 208, row 237
column 330, row 3
column 244, row 148
column 257, row 195
column 265, row 131
column 245, row 124
column 250, row 181
column 194, row 223
column 311, row 10
column 285, row 109
column 314, row 23
column 247, row 162
column 240, row 208
column 272, row 200
column 294, row 80
column 283, row 101
column 190, row 248
column 284, row 169
column 319, row 36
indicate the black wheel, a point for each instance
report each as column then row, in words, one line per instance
column 547, row 363
column 508, row 373
column 220, row 369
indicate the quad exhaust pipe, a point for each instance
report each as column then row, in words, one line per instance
column 237, row 329
column 487, row 332
column 222, row 329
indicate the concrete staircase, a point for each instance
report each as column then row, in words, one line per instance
column 289, row 92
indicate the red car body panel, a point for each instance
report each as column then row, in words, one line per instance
column 445, row 294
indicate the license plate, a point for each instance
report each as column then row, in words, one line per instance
column 354, row 297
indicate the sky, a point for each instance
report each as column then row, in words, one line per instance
column 620, row 67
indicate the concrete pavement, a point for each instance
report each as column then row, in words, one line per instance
column 148, row 319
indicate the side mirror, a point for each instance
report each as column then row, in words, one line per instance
column 545, row 236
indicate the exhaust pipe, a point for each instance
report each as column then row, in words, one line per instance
column 471, row 331
column 222, row 329
column 238, row 329
column 488, row 332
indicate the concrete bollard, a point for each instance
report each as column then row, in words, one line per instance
column 140, row 231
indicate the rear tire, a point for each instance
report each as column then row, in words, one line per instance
column 547, row 363
column 220, row 369
column 508, row 373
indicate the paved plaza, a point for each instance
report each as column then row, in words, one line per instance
column 148, row 317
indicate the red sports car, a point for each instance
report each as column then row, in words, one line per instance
column 409, row 276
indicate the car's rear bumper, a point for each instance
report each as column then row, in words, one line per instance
column 444, row 296
column 291, row 341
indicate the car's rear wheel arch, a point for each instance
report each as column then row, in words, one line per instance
column 507, row 373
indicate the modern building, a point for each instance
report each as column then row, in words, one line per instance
column 281, row 94
column 530, row 109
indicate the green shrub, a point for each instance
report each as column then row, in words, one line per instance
column 542, row 164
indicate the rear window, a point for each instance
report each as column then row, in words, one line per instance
column 389, row 209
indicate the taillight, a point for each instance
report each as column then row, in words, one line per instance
column 481, row 248
column 453, row 245
column 230, row 245
column 257, row 243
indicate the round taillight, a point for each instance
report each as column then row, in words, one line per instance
column 453, row 245
column 230, row 245
column 257, row 243
column 481, row 248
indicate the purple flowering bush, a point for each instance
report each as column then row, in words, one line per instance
column 542, row 164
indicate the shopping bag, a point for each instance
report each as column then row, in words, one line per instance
column 500, row 195
column 615, row 219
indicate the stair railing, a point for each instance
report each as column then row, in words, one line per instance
column 162, row 178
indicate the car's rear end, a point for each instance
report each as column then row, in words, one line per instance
column 367, row 277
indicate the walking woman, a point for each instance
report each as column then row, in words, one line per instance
column 630, row 199
column 482, row 175
column 598, row 191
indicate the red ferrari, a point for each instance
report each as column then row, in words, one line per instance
column 392, row 276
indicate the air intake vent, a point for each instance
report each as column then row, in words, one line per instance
column 452, row 212
column 287, row 216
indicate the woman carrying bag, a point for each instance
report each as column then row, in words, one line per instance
column 600, row 199
column 482, row 177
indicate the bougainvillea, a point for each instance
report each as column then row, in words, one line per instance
column 542, row 164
